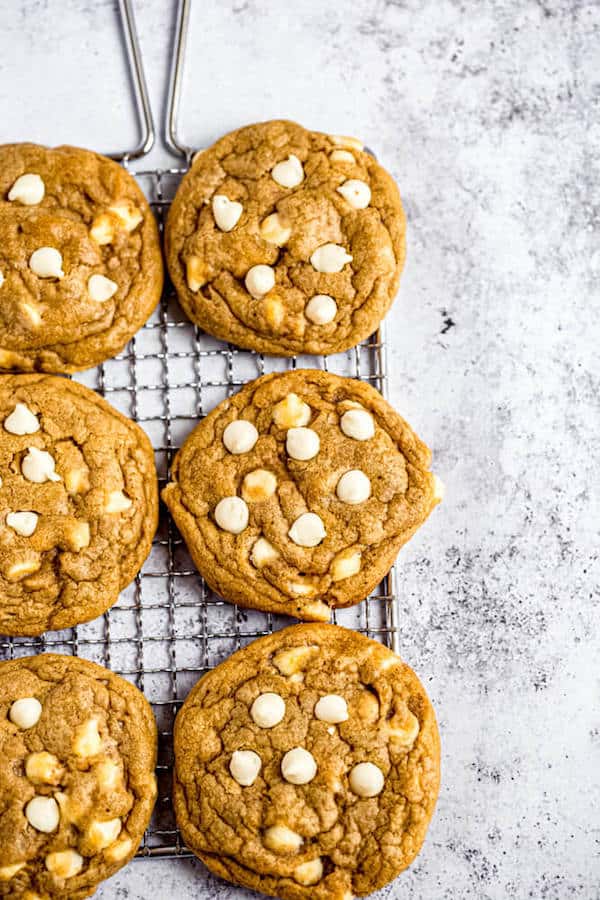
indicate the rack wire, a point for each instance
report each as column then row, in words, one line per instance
column 168, row 628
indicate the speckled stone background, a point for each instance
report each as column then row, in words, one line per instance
column 488, row 115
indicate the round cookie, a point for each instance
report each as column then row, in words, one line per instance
column 286, row 241
column 295, row 495
column 77, row 758
column 78, row 503
column 80, row 261
column 328, row 798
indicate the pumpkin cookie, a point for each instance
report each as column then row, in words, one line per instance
column 307, row 765
column 77, row 757
column 78, row 503
column 286, row 241
column 295, row 495
column 80, row 260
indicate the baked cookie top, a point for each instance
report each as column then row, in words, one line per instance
column 77, row 757
column 295, row 495
column 286, row 241
column 78, row 503
column 307, row 765
column 80, row 260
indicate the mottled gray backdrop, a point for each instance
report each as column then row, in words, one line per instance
column 487, row 113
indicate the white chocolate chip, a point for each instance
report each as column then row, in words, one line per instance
column 28, row 189
column 329, row 258
column 245, row 766
column 26, row 712
column 1, row 279
column 102, row 230
column 439, row 488
column 87, row 741
column 289, row 172
column 77, row 535
column 120, row 850
column 302, row 443
column 8, row 872
column 342, row 140
column 24, row 567
column 317, row 611
column 42, row 814
column 24, row 523
column 108, row 774
column 263, row 553
column 196, row 273
column 231, row 514
column 321, row 309
column 346, row 564
column 100, row 289
column 240, row 436
column 332, row 709
column 32, row 313
column 366, row 780
column 127, row 213
column 101, row 835
column 403, row 731
column 298, row 766
column 309, row 872
column 274, row 311
column 259, row 280
column 77, row 481
column 308, row 530
column 356, row 192
column 341, row 156
column 353, row 487
column 258, row 485
column 46, row 262
column 21, row 421
column 295, row 659
column 267, row 710
column 281, row 839
column 117, row 502
column 226, row 212
column 291, row 412
column 273, row 231
column 64, row 863
column 38, row 466
column 358, row 424
column 300, row 589
column 43, row 768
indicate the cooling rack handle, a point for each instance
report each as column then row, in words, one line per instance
column 140, row 88
column 175, row 83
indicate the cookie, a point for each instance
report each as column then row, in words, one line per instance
column 286, row 241
column 78, row 751
column 307, row 765
column 78, row 503
column 80, row 261
column 295, row 495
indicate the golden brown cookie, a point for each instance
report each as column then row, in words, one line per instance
column 307, row 765
column 286, row 241
column 77, row 757
column 295, row 495
column 78, row 503
column 80, row 261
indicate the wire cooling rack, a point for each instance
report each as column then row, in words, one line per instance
column 167, row 627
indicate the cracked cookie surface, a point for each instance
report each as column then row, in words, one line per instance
column 307, row 765
column 286, row 241
column 77, row 758
column 80, row 260
column 78, row 503
column 295, row 495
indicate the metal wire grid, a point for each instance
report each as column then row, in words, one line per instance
column 167, row 627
